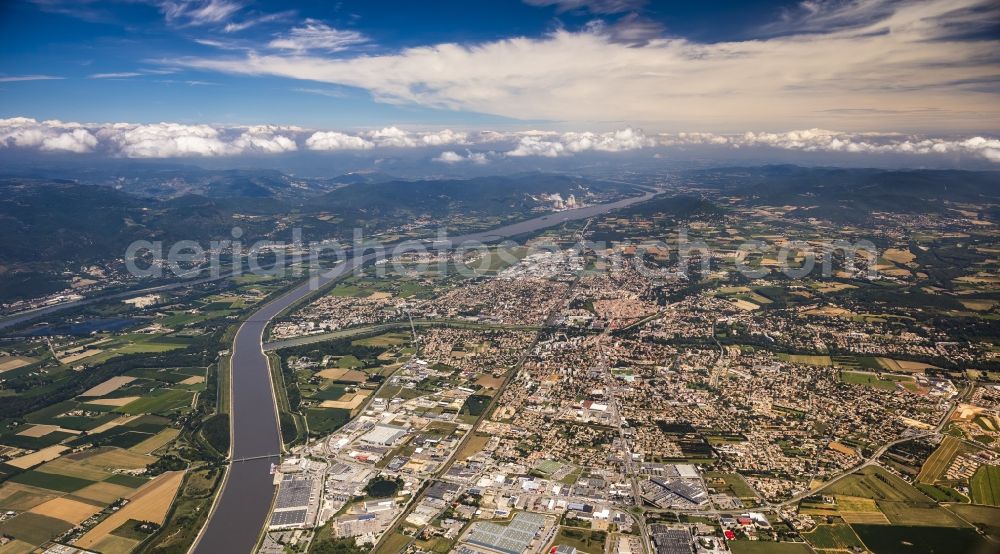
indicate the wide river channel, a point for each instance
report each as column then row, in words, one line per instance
column 241, row 510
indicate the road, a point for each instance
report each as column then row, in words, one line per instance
column 239, row 513
column 510, row 376
column 873, row 459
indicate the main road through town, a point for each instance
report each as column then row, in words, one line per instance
column 240, row 511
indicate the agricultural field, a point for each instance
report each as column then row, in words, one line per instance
column 836, row 536
column 8, row 363
column 899, row 502
column 852, row 509
column 893, row 539
column 985, row 485
column 151, row 503
column 329, row 382
column 99, row 409
column 74, row 489
column 886, row 382
column 986, row 518
column 767, row 547
column 806, row 359
column 938, row 462
column 903, row 366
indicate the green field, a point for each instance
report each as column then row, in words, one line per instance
column 767, row 547
column 125, row 480
column 548, row 467
column 898, row 539
column 937, row 463
column 62, row 483
column 34, row 529
column 394, row 544
column 142, row 347
column 941, row 493
column 350, row 362
column 885, row 382
column 985, row 518
column 475, row 405
column 877, row 484
column 162, row 401
column 837, row 536
column 985, row 485
column 584, row 540
column 349, row 290
column 387, row 339
column 734, row 484
column 169, row 375
column 897, row 499
column 326, row 420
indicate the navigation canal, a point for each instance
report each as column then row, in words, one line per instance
column 241, row 510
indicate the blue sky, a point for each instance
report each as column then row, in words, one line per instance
column 128, row 46
column 854, row 75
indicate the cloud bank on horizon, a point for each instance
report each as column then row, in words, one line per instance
column 176, row 140
column 887, row 76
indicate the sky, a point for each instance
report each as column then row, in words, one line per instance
column 473, row 82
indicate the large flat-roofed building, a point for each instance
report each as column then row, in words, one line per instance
column 671, row 540
column 384, row 435
column 674, row 492
column 356, row 525
column 296, row 503
column 513, row 538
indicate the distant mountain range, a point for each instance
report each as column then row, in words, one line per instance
column 851, row 195
column 51, row 225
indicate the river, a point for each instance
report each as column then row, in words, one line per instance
column 241, row 509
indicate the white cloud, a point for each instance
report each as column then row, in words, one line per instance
column 479, row 157
column 440, row 138
column 166, row 140
column 593, row 6
column 822, row 140
column 52, row 136
column 198, row 12
column 615, row 141
column 550, row 144
column 392, row 137
column 18, row 78
column 905, row 60
column 534, row 146
column 321, row 91
column 264, row 139
column 451, row 157
column 235, row 27
column 79, row 141
column 332, row 140
column 121, row 75
column 316, row 35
